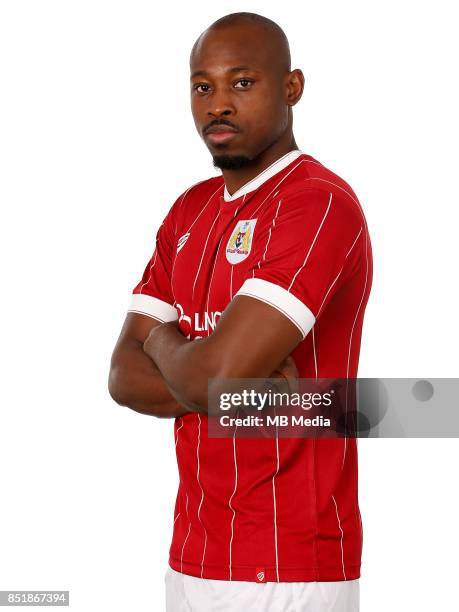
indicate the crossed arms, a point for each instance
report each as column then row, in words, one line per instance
column 156, row 370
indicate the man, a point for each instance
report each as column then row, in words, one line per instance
column 269, row 266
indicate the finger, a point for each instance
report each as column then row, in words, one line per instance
column 291, row 381
column 290, row 362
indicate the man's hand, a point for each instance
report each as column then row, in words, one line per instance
column 288, row 370
column 155, row 336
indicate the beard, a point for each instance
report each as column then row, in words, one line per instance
column 231, row 162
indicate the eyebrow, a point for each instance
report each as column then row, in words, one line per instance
column 233, row 69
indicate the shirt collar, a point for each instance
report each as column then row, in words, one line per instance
column 267, row 173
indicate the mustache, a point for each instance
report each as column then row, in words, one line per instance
column 220, row 122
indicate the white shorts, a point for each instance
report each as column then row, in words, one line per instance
column 191, row 594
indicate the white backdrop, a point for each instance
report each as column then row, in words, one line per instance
column 96, row 142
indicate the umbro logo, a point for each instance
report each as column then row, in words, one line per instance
column 181, row 241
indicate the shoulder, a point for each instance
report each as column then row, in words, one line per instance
column 314, row 174
column 200, row 191
column 316, row 186
column 189, row 203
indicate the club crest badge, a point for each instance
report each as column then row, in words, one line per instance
column 240, row 243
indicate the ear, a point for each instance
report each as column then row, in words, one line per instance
column 294, row 83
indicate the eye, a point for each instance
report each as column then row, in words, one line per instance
column 204, row 85
column 245, row 83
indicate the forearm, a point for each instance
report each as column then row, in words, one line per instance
column 136, row 382
column 250, row 340
column 186, row 365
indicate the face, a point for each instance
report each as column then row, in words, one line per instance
column 239, row 93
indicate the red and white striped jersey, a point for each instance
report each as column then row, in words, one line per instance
column 295, row 236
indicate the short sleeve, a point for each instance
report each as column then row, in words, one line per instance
column 302, row 253
column 152, row 296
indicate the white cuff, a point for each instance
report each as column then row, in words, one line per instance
column 283, row 300
column 152, row 307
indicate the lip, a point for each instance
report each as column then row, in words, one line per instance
column 220, row 133
column 221, row 136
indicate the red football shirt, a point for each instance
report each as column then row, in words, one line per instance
column 295, row 237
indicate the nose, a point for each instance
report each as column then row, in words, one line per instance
column 219, row 112
column 220, row 105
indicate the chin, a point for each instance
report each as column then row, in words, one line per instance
column 231, row 161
